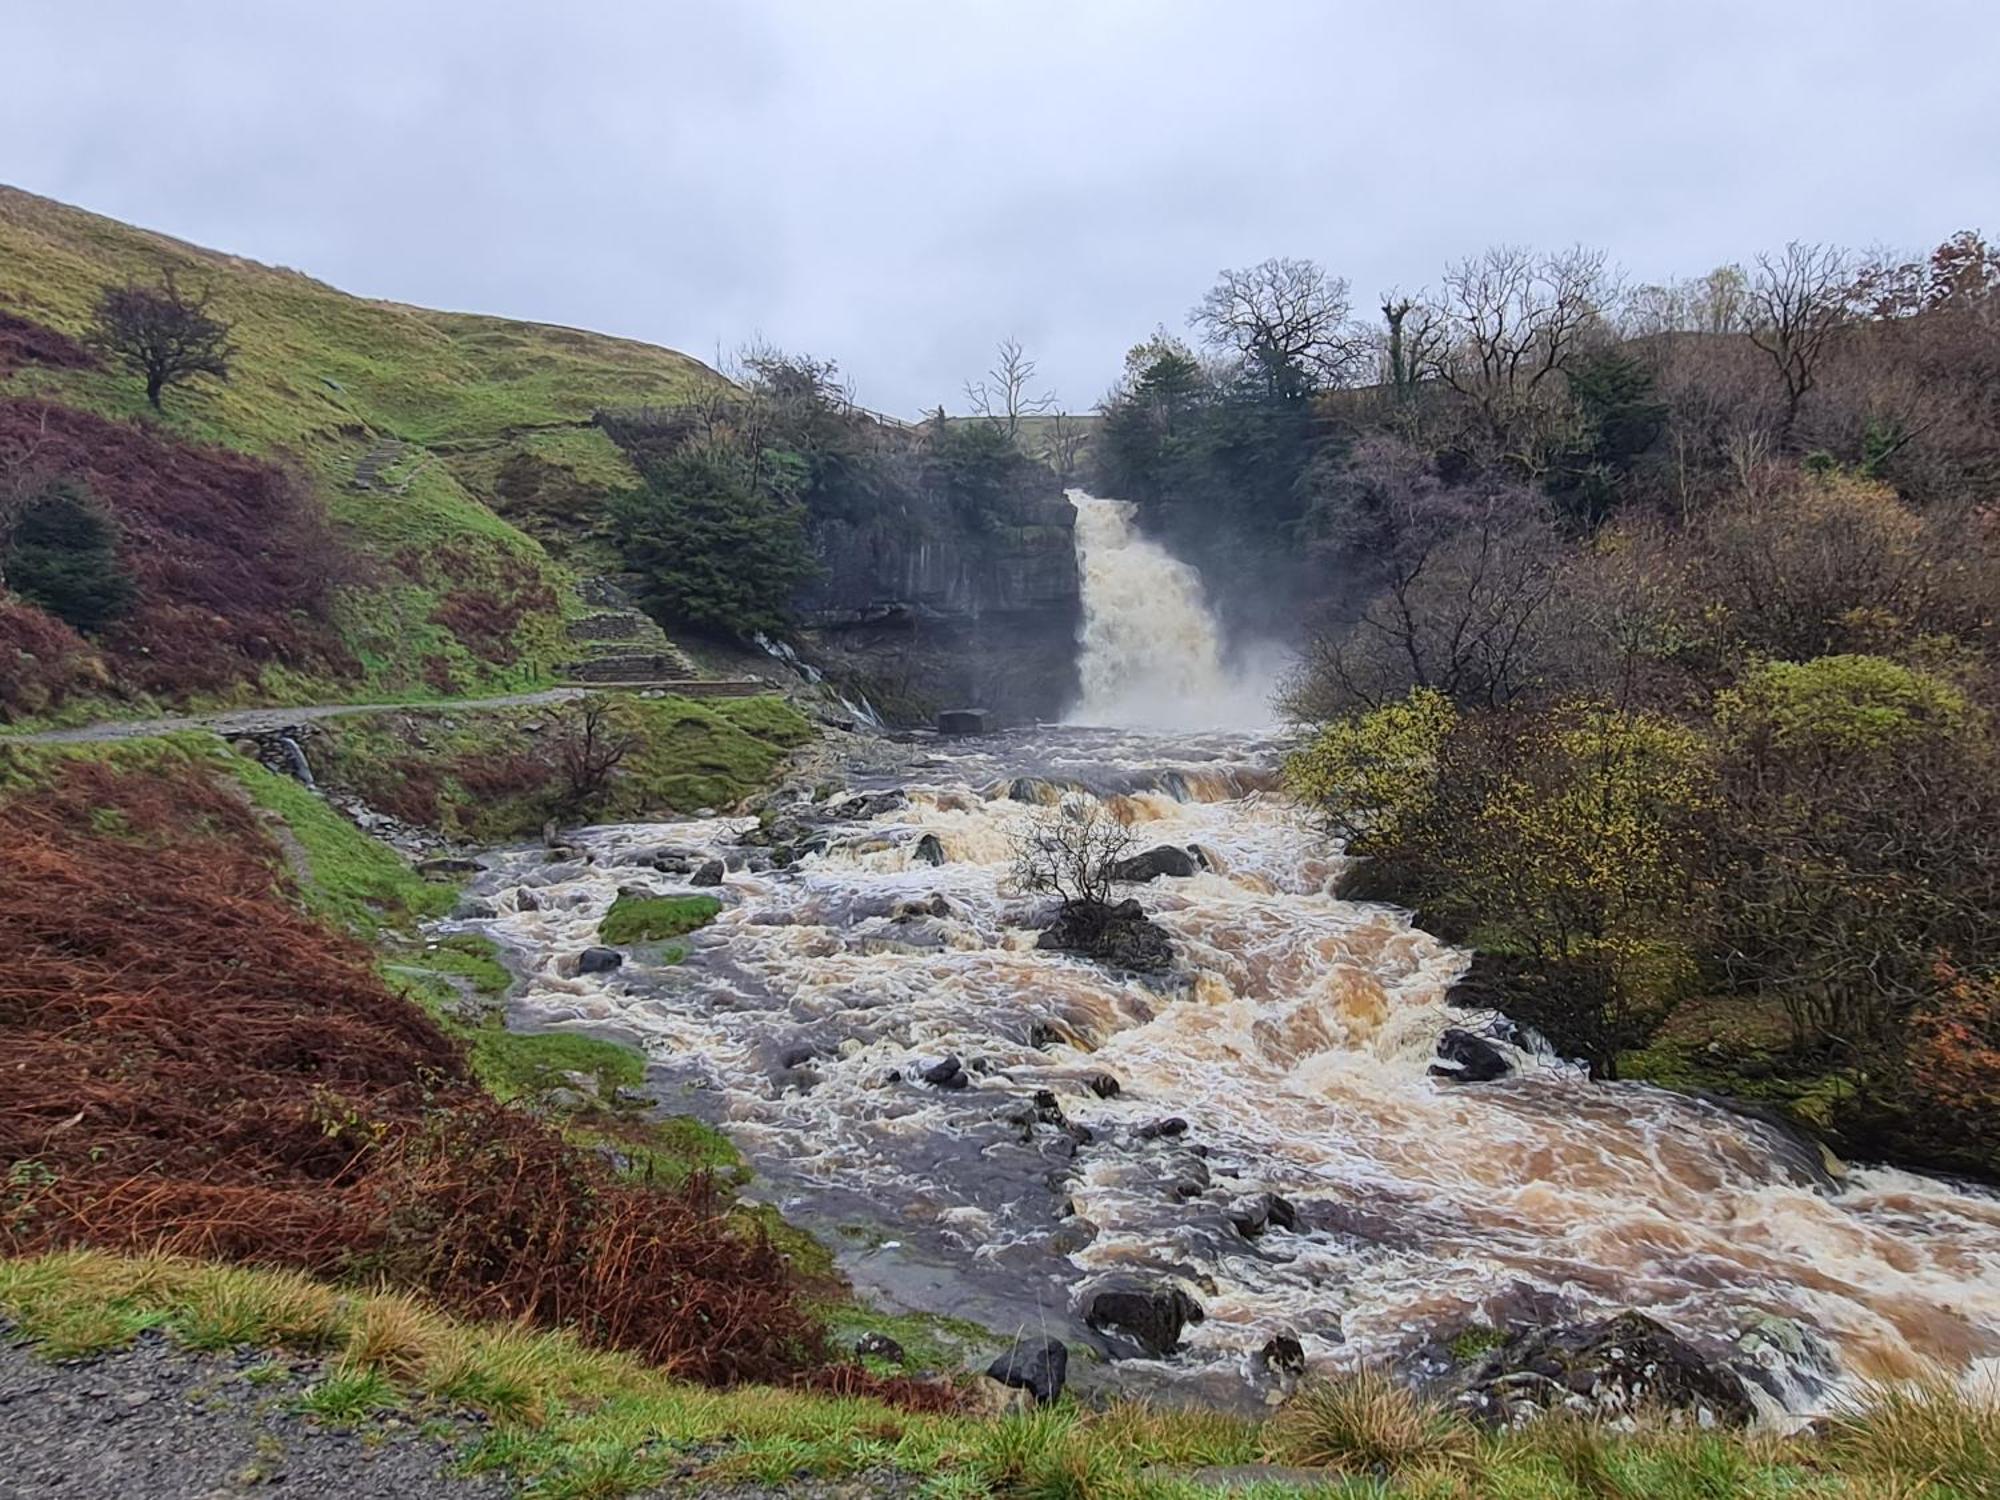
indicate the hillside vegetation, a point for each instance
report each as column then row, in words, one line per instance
column 262, row 570
column 1654, row 646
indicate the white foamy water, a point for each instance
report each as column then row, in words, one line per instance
column 1150, row 655
column 1294, row 1043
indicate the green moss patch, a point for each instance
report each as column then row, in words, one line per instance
column 652, row 919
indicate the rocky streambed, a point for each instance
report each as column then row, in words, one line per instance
column 1280, row 1147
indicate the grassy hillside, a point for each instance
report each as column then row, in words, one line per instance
column 432, row 591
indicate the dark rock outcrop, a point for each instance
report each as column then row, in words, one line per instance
column 710, row 873
column 1155, row 1130
column 1616, row 1366
column 962, row 721
column 1466, row 1058
column 1119, row 937
column 943, row 608
column 930, row 850
column 1148, row 1314
column 1038, row 1366
column 1165, row 860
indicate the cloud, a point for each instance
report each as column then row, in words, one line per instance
column 899, row 184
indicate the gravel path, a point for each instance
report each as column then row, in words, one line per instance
column 155, row 1422
column 263, row 720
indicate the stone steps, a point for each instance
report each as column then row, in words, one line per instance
column 377, row 461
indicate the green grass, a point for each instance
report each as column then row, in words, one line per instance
column 653, row 919
column 470, row 957
column 520, row 1065
column 349, row 878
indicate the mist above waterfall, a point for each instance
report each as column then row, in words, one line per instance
column 1151, row 652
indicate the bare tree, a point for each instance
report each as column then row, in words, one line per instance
column 1072, row 850
column 1413, row 338
column 589, row 751
column 1513, row 320
column 1004, row 395
column 1062, row 444
column 1284, row 312
column 1794, row 303
column 162, row 334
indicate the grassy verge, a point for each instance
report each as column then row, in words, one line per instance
column 493, row 774
column 570, row 1422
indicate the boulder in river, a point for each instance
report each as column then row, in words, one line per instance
column 1283, row 1355
column 1261, row 1211
column 946, row 1073
column 863, row 806
column 1150, row 1314
column 1614, row 1367
column 1155, row 1130
column 1465, row 1058
column 962, row 721
column 1119, row 937
column 929, row 850
column 1038, row 1366
column 710, row 873
column 1165, row 860
column 598, row 960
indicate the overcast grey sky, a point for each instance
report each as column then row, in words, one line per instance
column 900, row 184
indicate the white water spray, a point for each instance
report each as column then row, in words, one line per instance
column 1151, row 652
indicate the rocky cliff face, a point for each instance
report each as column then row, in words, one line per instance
column 933, row 611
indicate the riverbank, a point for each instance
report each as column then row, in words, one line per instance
column 378, row 1395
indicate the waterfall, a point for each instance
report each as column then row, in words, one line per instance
column 1150, row 651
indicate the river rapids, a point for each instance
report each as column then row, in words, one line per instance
column 1294, row 1038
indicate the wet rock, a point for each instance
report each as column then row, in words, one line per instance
column 1103, row 1085
column 1165, row 1129
column 868, row 805
column 1038, row 1366
column 1149, row 1313
column 908, row 911
column 1076, row 1233
column 1046, row 1034
column 598, row 960
column 1613, row 1367
column 446, row 865
column 986, row 1397
column 1282, row 1355
column 526, row 900
column 475, row 909
column 946, row 1073
column 710, row 873
column 1465, row 1058
column 1119, row 937
column 962, row 721
column 879, row 1346
column 1165, row 860
column 1261, row 1211
column 929, row 850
